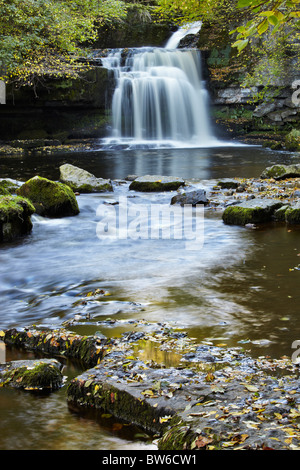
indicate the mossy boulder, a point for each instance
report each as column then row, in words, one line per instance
column 8, row 186
column 15, row 217
column 82, row 181
column 33, row 375
column 280, row 214
column 254, row 211
column 228, row 184
column 88, row 350
column 279, row 172
column 153, row 183
column 292, row 140
column 292, row 214
column 50, row 198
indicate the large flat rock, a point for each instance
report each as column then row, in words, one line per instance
column 279, row 172
column 33, row 375
column 253, row 211
column 83, row 181
column 150, row 183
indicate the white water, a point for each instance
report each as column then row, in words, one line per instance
column 175, row 39
column 160, row 99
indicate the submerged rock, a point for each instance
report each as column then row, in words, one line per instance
column 279, row 172
column 193, row 197
column 42, row 374
column 50, row 198
column 82, row 181
column 151, row 183
column 15, row 217
column 254, row 211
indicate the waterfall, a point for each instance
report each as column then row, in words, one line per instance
column 160, row 98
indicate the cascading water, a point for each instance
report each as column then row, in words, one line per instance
column 160, row 98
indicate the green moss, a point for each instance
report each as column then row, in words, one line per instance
column 15, row 221
column 178, row 437
column 292, row 140
column 41, row 376
column 51, row 199
column 280, row 214
column 155, row 184
column 251, row 212
column 7, row 187
column 120, row 403
column 292, row 215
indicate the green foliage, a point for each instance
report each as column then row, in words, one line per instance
column 43, row 37
column 266, row 16
column 187, row 11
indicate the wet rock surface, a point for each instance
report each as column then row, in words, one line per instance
column 215, row 398
column 279, row 172
column 89, row 350
column 15, row 217
column 208, row 397
column 33, row 375
column 83, row 181
column 253, row 211
column 156, row 183
column 50, row 198
column 193, row 197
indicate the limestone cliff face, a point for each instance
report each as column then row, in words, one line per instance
column 250, row 94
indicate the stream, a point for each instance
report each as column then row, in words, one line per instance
column 240, row 288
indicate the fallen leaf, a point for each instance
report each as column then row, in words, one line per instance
column 251, row 388
column 202, row 441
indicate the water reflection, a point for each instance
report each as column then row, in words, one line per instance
column 242, row 287
column 186, row 163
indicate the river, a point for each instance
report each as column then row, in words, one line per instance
column 240, row 288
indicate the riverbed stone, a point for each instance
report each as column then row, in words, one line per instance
column 88, row 350
column 83, row 181
column 279, row 172
column 215, row 398
column 50, row 198
column 280, row 214
column 193, row 197
column 15, row 217
column 292, row 139
column 152, row 183
column 254, row 211
column 292, row 214
column 228, row 184
column 33, row 375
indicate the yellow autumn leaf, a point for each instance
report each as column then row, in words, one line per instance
column 229, row 444
column 148, row 392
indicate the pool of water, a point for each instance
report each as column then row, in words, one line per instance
column 238, row 287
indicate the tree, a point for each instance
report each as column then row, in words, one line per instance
column 261, row 15
column 42, row 38
column 272, row 16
